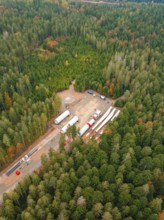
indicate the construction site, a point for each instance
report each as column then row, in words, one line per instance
column 90, row 113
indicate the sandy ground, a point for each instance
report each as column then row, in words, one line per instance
column 161, row 215
column 70, row 97
column 81, row 104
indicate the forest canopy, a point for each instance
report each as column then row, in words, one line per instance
column 116, row 50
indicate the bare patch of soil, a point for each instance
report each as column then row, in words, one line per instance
column 161, row 215
column 70, row 94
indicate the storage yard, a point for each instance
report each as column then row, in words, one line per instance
column 90, row 113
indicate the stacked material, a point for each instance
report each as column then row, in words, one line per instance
column 102, row 118
column 106, row 120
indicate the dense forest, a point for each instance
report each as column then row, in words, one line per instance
column 125, row 1
column 116, row 50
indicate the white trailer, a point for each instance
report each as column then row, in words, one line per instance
column 102, row 118
column 97, row 114
column 64, row 129
column 106, row 120
column 62, row 117
column 91, row 122
column 83, row 130
column 69, row 124
column 86, row 127
column 117, row 113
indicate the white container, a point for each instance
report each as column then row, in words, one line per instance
column 63, row 130
column 83, row 130
column 69, row 124
column 73, row 121
column 97, row 114
column 91, row 122
column 62, row 117
column 86, row 127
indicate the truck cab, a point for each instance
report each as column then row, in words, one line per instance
column 97, row 114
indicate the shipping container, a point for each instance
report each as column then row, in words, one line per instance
column 69, row 124
column 62, row 117
column 83, row 130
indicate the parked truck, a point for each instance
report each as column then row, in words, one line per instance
column 97, row 114
column 86, row 127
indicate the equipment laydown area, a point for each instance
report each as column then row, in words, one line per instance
column 90, row 115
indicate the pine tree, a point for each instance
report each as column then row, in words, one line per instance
column 7, row 100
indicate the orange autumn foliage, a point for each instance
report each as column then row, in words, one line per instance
column 11, row 151
column 111, row 90
column 19, row 148
column 7, row 100
column 149, row 124
column 108, row 131
column 140, row 120
column 108, row 83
